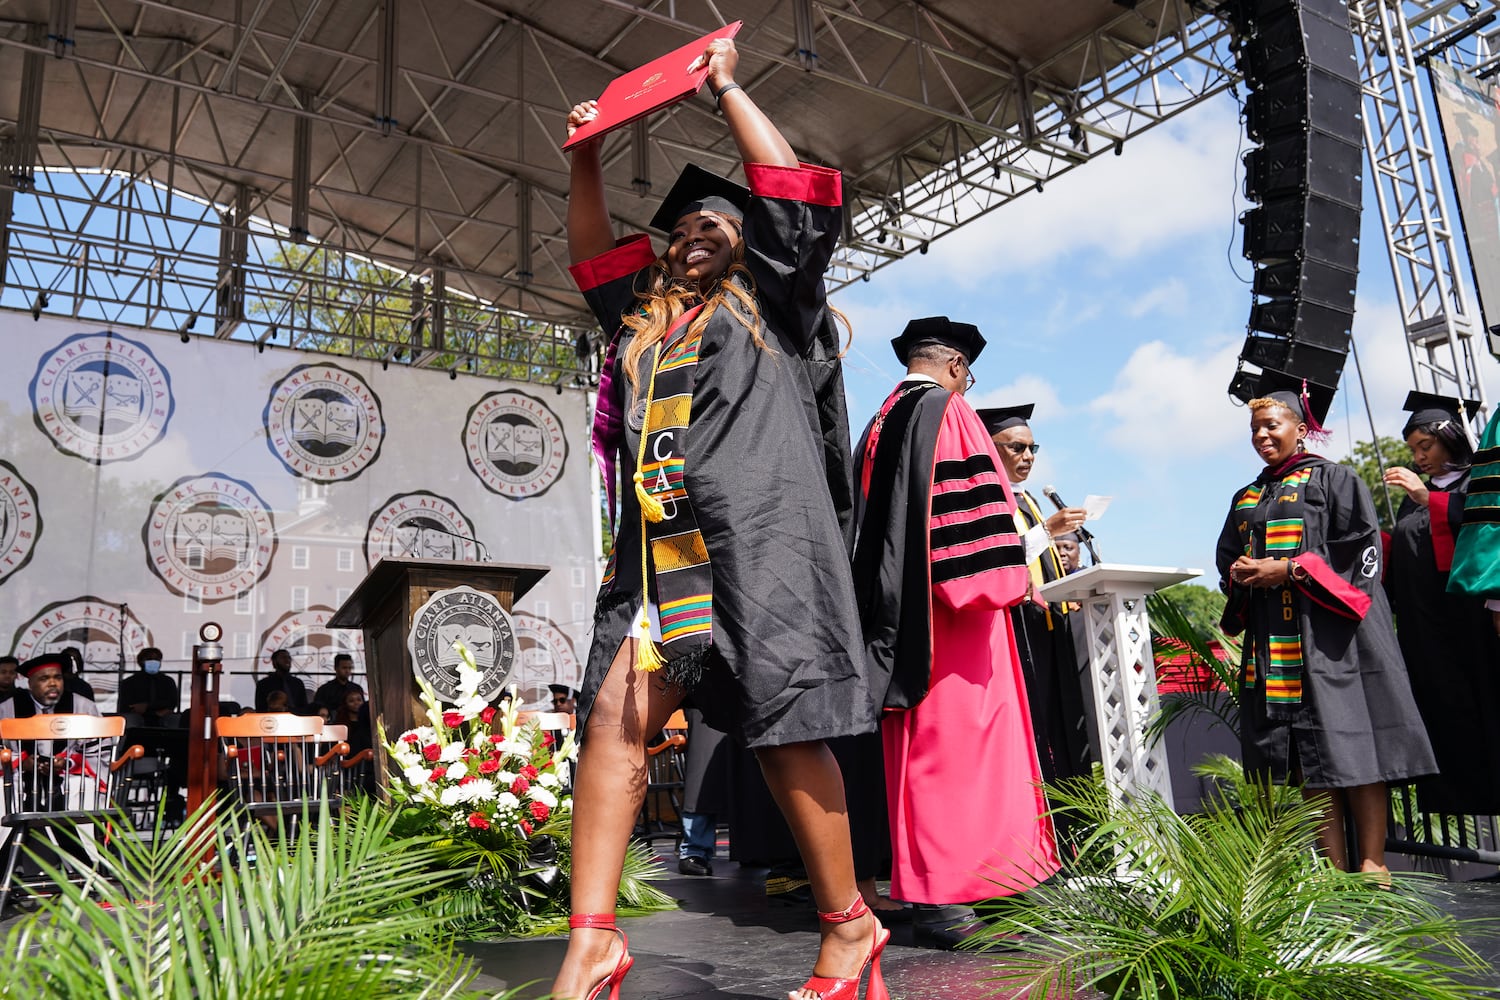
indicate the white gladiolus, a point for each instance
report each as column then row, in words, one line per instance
column 471, row 707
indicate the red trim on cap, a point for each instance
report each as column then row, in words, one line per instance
column 628, row 256
column 807, row 182
column 1328, row 589
column 1442, row 530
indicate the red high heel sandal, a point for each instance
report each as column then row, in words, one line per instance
column 606, row 922
column 848, row 989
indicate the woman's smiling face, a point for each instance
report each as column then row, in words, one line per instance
column 701, row 246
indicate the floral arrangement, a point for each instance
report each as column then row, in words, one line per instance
column 497, row 793
column 478, row 773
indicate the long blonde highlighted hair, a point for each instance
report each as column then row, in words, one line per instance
column 665, row 299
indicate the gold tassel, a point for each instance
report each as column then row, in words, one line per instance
column 652, row 508
column 647, row 659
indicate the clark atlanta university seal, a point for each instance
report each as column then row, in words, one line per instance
column 101, row 397
column 20, row 522
column 210, row 537
column 323, row 422
column 473, row 618
column 515, row 444
column 419, row 525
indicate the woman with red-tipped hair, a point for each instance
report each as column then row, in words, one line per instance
column 1324, row 697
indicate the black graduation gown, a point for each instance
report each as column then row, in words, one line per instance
column 1357, row 723
column 1452, row 655
column 767, row 471
column 1054, row 682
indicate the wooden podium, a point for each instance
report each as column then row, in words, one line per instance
column 383, row 607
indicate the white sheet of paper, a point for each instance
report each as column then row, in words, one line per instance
column 1095, row 506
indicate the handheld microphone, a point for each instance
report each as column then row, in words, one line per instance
column 1082, row 532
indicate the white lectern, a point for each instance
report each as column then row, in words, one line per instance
column 1122, row 669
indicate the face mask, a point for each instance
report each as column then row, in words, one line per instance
column 152, row 666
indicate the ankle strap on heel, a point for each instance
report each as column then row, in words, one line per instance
column 597, row 921
column 853, row 911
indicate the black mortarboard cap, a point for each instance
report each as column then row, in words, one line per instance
column 1299, row 395
column 562, row 689
column 57, row 660
column 1430, row 408
column 697, row 190
column 962, row 337
column 998, row 418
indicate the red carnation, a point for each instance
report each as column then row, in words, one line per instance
column 478, row 822
column 540, row 811
column 497, row 738
column 547, row 740
column 528, row 772
column 526, row 828
column 466, row 779
column 411, row 738
column 488, row 715
column 489, row 766
column 519, row 786
column 453, row 719
column 441, row 771
column 432, row 751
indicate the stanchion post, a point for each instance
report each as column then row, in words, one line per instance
column 203, row 711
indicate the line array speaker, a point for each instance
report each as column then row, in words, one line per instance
column 1304, row 176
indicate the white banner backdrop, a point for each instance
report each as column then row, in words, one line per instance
column 147, row 486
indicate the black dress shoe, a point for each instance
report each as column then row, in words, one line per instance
column 943, row 927
column 694, row 865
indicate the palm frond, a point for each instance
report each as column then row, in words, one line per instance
column 1174, row 633
column 1231, row 903
column 331, row 909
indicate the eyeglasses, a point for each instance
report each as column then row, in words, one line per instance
column 968, row 372
column 1018, row 448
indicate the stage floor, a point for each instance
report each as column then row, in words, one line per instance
column 725, row 943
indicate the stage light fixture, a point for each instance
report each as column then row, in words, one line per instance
column 183, row 336
column 42, row 301
column 452, row 374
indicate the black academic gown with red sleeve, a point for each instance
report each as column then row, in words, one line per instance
column 767, row 472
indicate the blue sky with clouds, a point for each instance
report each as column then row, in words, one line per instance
column 1116, row 300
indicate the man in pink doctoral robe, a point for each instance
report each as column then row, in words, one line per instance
column 937, row 562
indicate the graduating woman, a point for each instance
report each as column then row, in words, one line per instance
column 721, row 397
column 1451, row 650
column 1324, row 698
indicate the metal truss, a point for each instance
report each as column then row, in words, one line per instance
column 153, row 203
column 1403, row 146
column 966, row 169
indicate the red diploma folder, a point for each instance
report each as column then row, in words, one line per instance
column 659, row 84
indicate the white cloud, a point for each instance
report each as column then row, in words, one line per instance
column 1163, row 399
column 1168, row 184
column 1024, row 389
column 1170, row 297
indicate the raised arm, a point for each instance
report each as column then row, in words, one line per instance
column 589, row 231
column 759, row 141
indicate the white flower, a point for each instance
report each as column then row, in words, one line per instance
column 479, row 790
column 518, row 747
column 468, row 680
column 507, row 800
column 546, row 798
column 504, row 778
column 548, row 780
column 472, row 706
column 416, row 776
column 453, row 795
column 452, row 753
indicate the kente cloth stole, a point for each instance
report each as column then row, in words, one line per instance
column 1278, row 615
column 673, row 554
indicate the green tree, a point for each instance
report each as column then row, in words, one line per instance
column 1201, row 606
column 1369, row 463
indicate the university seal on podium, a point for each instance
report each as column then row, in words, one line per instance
column 468, row 616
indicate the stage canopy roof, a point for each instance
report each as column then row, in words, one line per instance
column 424, row 133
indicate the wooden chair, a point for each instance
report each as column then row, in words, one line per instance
column 351, row 771
column 278, row 763
column 661, row 812
column 60, row 774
